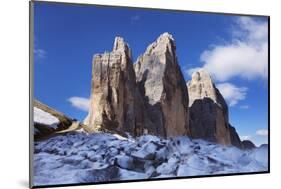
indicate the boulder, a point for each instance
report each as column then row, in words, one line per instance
column 107, row 174
column 162, row 87
column 167, row 168
column 208, row 110
column 124, row 161
column 147, row 151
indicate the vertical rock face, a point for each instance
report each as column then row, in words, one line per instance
column 151, row 97
column 113, row 90
column 208, row 110
column 162, row 88
column 234, row 137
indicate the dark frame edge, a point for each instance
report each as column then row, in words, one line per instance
column 31, row 63
column 149, row 180
column 148, row 8
column 268, row 100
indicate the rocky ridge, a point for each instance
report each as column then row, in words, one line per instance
column 151, row 97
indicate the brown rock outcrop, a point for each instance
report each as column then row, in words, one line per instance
column 162, row 87
column 113, row 94
column 208, row 110
column 151, row 97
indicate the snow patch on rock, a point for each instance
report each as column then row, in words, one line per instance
column 45, row 118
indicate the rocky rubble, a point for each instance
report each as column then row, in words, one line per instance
column 78, row 157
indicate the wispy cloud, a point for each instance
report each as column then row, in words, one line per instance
column 39, row 53
column 259, row 137
column 80, row 103
column 262, row 132
column 232, row 93
column 244, row 56
column 191, row 71
column 244, row 107
column 134, row 19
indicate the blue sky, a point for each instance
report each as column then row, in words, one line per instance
column 232, row 48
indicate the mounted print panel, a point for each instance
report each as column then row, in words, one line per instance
column 122, row 94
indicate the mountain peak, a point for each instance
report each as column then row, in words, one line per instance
column 201, row 86
column 164, row 43
column 201, row 74
column 165, row 36
column 119, row 44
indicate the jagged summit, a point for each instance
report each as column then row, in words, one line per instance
column 119, row 44
column 152, row 97
column 201, row 73
column 120, row 48
column 165, row 36
column 112, row 94
column 201, row 86
column 165, row 42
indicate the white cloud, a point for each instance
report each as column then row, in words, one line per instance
column 134, row 19
column 262, row 132
column 245, row 137
column 245, row 56
column 39, row 53
column 80, row 103
column 244, row 106
column 191, row 71
column 231, row 93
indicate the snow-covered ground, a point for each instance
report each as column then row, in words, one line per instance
column 78, row 158
column 45, row 118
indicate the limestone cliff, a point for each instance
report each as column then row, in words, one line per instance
column 113, row 89
column 208, row 110
column 162, row 87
